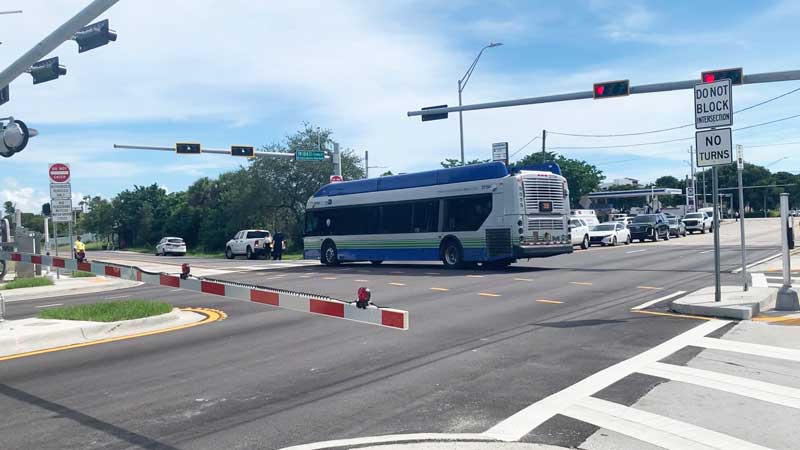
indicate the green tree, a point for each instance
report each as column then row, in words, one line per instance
column 9, row 208
column 450, row 162
column 581, row 176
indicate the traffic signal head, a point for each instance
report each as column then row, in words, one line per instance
column 15, row 137
column 46, row 70
column 735, row 75
column 427, row 117
column 187, row 148
column 243, row 150
column 46, row 210
column 95, row 35
column 607, row 89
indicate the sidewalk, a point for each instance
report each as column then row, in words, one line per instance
column 742, row 391
column 30, row 335
column 68, row 286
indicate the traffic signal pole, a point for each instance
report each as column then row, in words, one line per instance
column 768, row 77
column 217, row 151
column 54, row 39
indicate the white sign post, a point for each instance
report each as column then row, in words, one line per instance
column 713, row 107
column 500, row 152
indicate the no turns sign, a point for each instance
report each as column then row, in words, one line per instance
column 714, row 147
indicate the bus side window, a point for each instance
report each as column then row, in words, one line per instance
column 426, row 216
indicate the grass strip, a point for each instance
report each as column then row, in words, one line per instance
column 20, row 283
column 108, row 312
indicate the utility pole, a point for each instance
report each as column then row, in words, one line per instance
column 739, row 169
column 544, row 138
column 366, row 163
column 694, row 181
column 337, row 160
column 704, row 188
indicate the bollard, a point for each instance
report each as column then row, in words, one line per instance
column 787, row 297
column 2, row 308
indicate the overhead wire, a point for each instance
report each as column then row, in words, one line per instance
column 662, row 130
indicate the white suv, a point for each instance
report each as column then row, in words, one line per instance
column 698, row 221
column 250, row 243
column 579, row 230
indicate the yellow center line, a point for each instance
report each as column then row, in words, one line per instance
column 488, row 294
column 581, row 283
column 474, row 276
column 555, row 302
column 212, row 315
column 439, row 289
column 523, row 279
column 652, row 288
column 397, row 284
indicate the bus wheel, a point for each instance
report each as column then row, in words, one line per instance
column 377, row 262
column 329, row 255
column 452, row 254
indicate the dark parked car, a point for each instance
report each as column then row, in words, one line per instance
column 649, row 226
column 676, row 227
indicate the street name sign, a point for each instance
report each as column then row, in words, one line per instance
column 500, row 152
column 309, row 155
column 714, row 147
column 712, row 105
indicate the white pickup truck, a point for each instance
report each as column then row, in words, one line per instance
column 250, row 243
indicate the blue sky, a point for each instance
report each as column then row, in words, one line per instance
column 240, row 72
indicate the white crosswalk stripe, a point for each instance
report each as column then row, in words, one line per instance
column 580, row 402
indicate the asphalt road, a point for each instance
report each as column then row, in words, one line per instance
column 482, row 345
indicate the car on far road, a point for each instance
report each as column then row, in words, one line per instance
column 697, row 222
column 250, row 243
column 649, row 226
column 623, row 218
column 609, row 233
column 171, row 246
column 579, row 230
column 676, row 227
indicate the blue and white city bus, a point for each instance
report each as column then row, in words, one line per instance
column 469, row 214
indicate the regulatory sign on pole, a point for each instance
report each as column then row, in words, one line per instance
column 712, row 105
column 59, row 173
column 500, row 152
column 336, row 178
column 714, row 147
column 739, row 158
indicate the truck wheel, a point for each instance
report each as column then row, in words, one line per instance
column 229, row 253
column 585, row 242
column 329, row 255
column 249, row 253
column 452, row 254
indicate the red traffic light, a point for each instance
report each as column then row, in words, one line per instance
column 364, row 296
column 735, row 75
column 606, row 89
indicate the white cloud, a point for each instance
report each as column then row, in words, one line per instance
column 25, row 198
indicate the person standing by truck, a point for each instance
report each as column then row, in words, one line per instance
column 278, row 246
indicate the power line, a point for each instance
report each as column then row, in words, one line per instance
column 523, row 147
column 671, row 128
column 642, row 144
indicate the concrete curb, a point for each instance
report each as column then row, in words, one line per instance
column 28, row 335
column 73, row 286
column 735, row 303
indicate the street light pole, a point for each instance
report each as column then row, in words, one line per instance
column 462, row 83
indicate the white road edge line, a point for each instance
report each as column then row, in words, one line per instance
column 47, row 306
column 116, row 297
column 654, row 429
column 660, row 299
column 635, row 251
column 759, row 390
column 768, row 351
column 756, row 263
column 525, row 420
column 391, row 438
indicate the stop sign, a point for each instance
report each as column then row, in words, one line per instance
column 336, row 178
column 59, row 173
